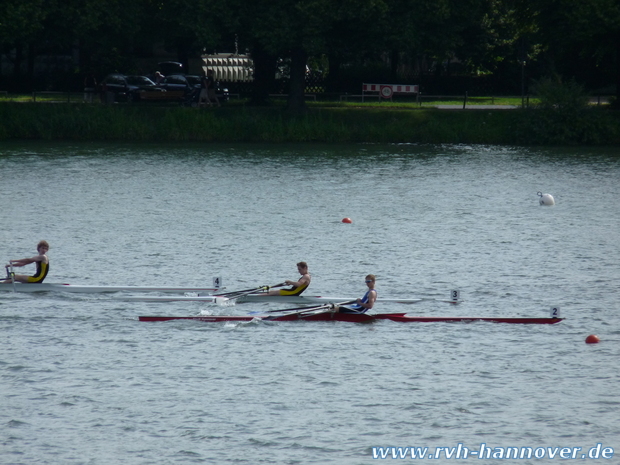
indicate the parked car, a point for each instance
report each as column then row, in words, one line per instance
column 178, row 84
column 222, row 92
column 121, row 88
column 189, row 87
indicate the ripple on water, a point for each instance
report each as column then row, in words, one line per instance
column 85, row 382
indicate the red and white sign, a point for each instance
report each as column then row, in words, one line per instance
column 409, row 89
column 388, row 90
column 371, row 87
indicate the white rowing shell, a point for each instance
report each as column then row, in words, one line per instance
column 289, row 299
column 57, row 287
column 76, row 288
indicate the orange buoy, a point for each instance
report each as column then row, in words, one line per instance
column 592, row 339
column 347, row 220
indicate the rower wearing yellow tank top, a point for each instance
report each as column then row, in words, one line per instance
column 42, row 263
column 297, row 287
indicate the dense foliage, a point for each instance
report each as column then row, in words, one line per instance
column 563, row 116
column 501, row 42
column 321, row 123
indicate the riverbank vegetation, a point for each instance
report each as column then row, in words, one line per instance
column 320, row 123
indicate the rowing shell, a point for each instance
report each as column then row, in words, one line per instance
column 354, row 318
column 77, row 288
column 57, row 287
column 287, row 299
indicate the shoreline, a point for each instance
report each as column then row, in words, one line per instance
column 320, row 124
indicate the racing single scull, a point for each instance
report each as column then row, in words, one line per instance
column 286, row 299
column 352, row 317
column 258, row 298
column 58, row 287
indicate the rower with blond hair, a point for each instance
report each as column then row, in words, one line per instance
column 42, row 263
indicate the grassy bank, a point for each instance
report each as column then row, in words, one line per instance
column 320, row 124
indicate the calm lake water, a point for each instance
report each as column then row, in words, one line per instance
column 82, row 381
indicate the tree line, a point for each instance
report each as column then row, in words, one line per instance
column 345, row 40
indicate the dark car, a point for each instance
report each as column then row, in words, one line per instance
column 121, row 88
column 178, row 84
column 189, row 87
column 221, row 92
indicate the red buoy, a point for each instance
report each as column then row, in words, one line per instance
column 592, row 339
column 347, row 220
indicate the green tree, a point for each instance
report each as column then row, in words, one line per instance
column 579, row 38
column 187, row 27
column 20, row 21
column 293, row 30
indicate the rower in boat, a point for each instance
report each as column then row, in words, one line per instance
column 42, row 262
column 365, row 303
column 297, row 287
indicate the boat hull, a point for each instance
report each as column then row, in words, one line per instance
column 77, row 288
column 460, row 319
column 323, row 316
column 211, row 297
column 350, row 317
column 258, row 298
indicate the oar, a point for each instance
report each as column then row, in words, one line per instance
column 307, row 309
column 318, row 308
column 233, row 293
column 221, row 298
column 249, row 291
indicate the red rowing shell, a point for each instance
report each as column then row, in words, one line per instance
column 354, row 318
